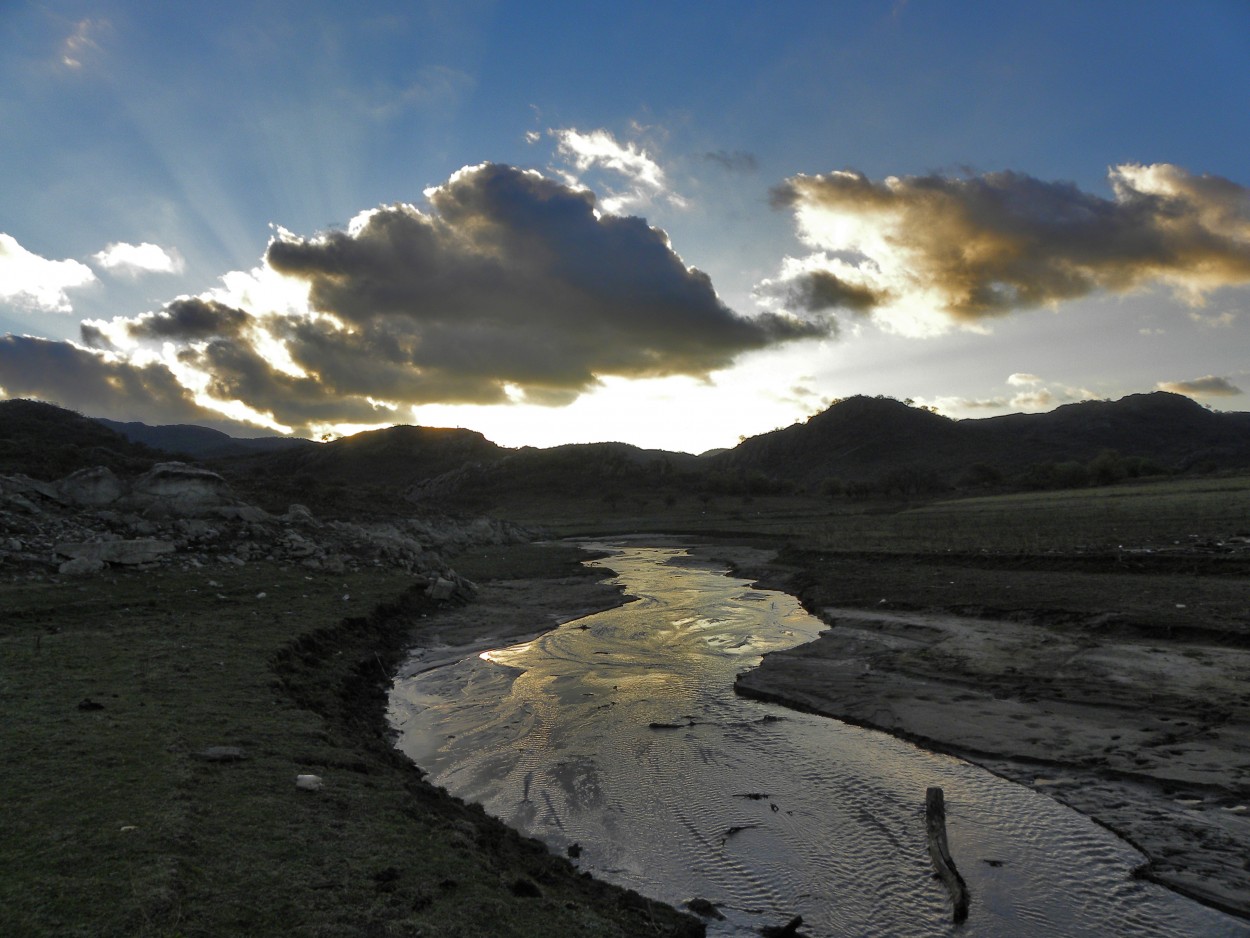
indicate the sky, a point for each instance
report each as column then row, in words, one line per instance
column 675, row 225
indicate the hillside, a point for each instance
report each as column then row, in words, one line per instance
column 862, row 439
column 365, row 472
column 48, row 442
column 861, row 445
column 199, row 442
column 605, row 471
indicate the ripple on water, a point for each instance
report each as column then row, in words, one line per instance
column 621, row 732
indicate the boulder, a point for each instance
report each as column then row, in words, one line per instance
column 299, row 514
column 81, row 566
column 178, row 490
column 91, row 488
column 145, row 550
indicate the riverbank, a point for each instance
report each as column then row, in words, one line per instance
column 1118, row 688
column 156, row 723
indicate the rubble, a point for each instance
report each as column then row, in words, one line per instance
column 178, row 514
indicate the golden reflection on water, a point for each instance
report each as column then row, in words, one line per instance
column 621, row 732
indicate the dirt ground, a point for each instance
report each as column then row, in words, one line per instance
column 1119, row 685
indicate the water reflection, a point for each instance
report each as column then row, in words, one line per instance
column 621, row 732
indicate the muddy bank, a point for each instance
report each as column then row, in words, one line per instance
column 344, row 673
column 1122, row 694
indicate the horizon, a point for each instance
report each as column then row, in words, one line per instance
column 302, row 219
column 798, row 421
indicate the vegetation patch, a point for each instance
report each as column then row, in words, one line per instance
column 156, row 724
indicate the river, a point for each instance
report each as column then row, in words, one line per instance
column 619, row 734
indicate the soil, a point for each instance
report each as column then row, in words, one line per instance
column 315, row 672
column 1119, row 685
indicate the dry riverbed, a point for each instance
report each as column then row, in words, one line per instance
column 1121, row 690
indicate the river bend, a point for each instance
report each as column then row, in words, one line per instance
column 620, row 733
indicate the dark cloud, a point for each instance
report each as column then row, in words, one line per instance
column 982, row 246
column 236, row 371
column 512, row 287
column 99, row 385
column 1208, row 386
column 513, row 280
column 821, row 290
column 737, row 161
column 189, row 319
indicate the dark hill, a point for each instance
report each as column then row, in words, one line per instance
column 183, row 439
column 1169, row 428
column 363, row 473
column 863, row 439
column 47, row 442
column 575, row 470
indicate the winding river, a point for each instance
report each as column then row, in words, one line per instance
column 620, row 733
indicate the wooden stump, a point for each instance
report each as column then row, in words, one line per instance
column 935, row 824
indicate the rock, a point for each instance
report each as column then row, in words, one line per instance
column 297, row 546
column 308, row 782
column 705, row 908
column 441, row 588
column 178, row 490
column 24, row 485
column 145, row 550
column 91, row 487
column 299, row 514
column 249, row 513
column 81, row 566
column 789, row 930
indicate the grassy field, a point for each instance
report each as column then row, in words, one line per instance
column 1158, row 514
column 114, row 824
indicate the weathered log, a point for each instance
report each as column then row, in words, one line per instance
column 935, row 824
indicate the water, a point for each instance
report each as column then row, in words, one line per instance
column 621, row 733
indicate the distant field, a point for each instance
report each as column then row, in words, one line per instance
column 1156, row 515
column 1159, row 514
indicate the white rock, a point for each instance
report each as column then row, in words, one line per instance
column 308, row 782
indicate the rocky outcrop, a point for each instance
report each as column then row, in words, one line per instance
column 126, row 552
column 93, row 520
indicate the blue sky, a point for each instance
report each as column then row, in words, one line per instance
column 316, row 217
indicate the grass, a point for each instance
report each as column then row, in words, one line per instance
column 1144, row 514
column 113, row 826
column 1155, row 515
column 108, row 807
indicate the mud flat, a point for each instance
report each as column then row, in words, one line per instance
column 1135, row 712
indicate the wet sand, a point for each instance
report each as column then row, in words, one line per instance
column 1148, row 734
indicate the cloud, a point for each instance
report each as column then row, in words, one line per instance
column 1207, row 386
column 645, row 178
column 100, row 385
column 509, row 287
column 926, row 253
column 822, row 289
column 514, row 281
column 1048, row 397
column 1222, row 320
column 133, row 260
column 737, row 161
column 31, row 280
column 81, row 42
column 189, row 319
column 1023, row 379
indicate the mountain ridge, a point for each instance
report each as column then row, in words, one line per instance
column 858, row 441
